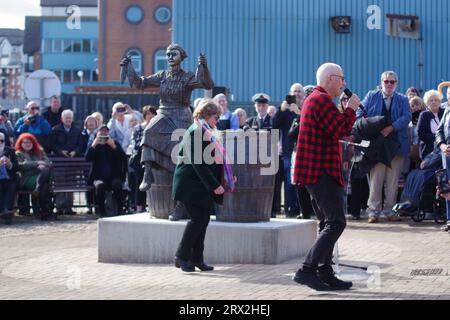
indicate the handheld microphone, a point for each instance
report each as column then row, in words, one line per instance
column 349, row 94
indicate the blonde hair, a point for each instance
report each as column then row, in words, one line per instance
column 207, row 108
column 419, row 101
column 91, row 117
column 99, row 117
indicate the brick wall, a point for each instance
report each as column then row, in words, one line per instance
column 117, row 35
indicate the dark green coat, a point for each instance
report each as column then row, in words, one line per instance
column 195, row 183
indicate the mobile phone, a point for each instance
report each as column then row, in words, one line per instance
column 291, row 99
column 103, row 139
column 442, row 180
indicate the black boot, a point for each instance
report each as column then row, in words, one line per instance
column 326, row 274
column 202, row 266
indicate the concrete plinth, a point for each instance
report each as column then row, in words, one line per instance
column 142, row 240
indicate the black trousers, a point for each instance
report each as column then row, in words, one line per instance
column 328, row 204
column 305, row 202
column 101, row 187
column 7, row 193
column 360, row 195
column 193, row 242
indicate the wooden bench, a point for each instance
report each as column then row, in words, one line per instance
column 69, row 175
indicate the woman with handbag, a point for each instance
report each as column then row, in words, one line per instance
column 197, row 183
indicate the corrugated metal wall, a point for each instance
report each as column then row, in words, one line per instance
column 266, row 45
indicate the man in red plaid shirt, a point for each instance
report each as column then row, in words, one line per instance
column 318, row 166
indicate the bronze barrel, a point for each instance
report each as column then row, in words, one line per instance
column 252, row 200
column 159, row 197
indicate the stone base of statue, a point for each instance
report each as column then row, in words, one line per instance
column 136, row 239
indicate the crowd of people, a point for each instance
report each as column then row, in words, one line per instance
column 415, row 126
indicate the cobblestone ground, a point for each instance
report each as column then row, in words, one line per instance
column 59, row 261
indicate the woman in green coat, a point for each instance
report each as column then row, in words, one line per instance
column 197, row 183
column 34, row 170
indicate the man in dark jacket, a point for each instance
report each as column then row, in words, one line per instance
column 108, row 171
column 54, row 112
column 262, row 120
column 66, row 140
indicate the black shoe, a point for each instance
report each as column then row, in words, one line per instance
column 186, row 266
column 311, row 280
column 326, row 274
column 405, row 209
column 202, row 266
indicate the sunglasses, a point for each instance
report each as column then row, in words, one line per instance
column 390, row 81
column 336, row 75
column 35, row 108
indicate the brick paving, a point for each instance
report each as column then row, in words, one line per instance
column 59, row 261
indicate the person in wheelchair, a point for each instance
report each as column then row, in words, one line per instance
column 420, row 187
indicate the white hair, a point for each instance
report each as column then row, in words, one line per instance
column 29, row 104
column 431, row 93
column 296, row 85
column 67, row 113
column 326, row 70
column 387, row 74
column 219, row 97
column 116, row 106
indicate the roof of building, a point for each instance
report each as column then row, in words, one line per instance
column 32, row 42
column 66, row 3
column 14, row 36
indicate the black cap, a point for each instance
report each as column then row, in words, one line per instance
column 261, row 98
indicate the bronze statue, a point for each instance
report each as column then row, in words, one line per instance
column 176, row 86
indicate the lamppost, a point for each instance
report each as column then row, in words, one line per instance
column 80, row 75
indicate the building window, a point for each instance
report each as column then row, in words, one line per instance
column 160, row 62
column 95, row 46
column 163, row 15
column 87, row 47
column 134, row 14
column 67, row 45
column 76, row 46
column 48, row 46
column 57, row 46
column 136, row 58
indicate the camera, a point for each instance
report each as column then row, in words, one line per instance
column 291, row 99
column 4, row 113
column 103, row 139
column 33, row 120
column 442, row 181
column 121, row 110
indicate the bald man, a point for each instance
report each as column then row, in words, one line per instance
column 318, row 166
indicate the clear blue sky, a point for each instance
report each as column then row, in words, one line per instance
column 13, row 12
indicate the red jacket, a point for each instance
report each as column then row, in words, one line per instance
column 318, row 147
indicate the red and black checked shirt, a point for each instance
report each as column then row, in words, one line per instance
column 318, row 147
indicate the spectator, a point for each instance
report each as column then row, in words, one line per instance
column 262, row 121
column 5, row 124
column 412, row 92
column 99, row 117
column 242, row 116
column 227, row 121
column 120, row 128
column 54, row 112
column 136, row 170
column 283, row 121
column 109, row 169
column 417, row 107
column 429, row 122
column 443, row 143
column 303, row 196
column 34, row 168
column 359, row 185
column 8, row 179
column 395, row 107
column 33, row 123
column 66, row 139
column 272, row 111
column 89, row 132
column 446, row 104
